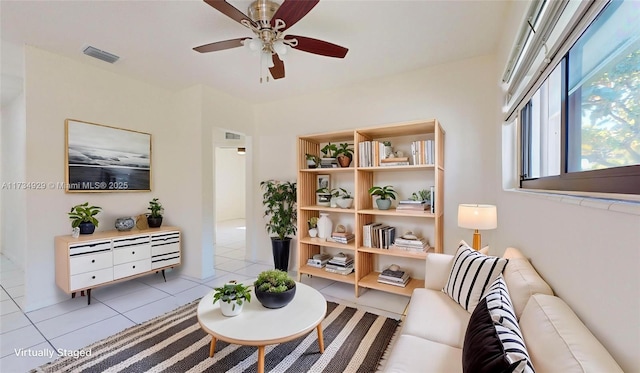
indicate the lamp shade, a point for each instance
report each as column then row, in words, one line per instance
column 477, row 216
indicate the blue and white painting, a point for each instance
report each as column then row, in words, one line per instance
column 102, row 158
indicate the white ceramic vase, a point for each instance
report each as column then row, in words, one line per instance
column 325, row 225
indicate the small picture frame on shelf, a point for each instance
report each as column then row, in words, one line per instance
column 323, row 181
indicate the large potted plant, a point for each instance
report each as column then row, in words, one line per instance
column 154, row 218
column 279, row 199
column 84, row 217
column 274, row 288
column 386, row 194
column 232, row 296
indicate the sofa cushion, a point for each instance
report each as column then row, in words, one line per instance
column 558, row 341
column 437, row 269
column 433, row 315
column 523, row 281
column 471, row 275
column 413, row 354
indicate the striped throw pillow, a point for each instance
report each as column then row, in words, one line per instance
column 471, row 275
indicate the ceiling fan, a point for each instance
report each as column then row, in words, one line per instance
column 269, row 21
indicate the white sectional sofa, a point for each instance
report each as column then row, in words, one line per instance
column 432, row 337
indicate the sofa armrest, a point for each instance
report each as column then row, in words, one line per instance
column 438, row 267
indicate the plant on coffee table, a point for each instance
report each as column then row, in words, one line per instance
column 233, row 294
column 274, row 288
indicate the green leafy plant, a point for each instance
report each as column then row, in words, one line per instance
column 156, row 208
column 344, row 150
column 312, row 222
column 279, row 199
column 334, row 192
column 386, row 143
column 343, row 193
column 312, row 157
column 84, row 214
column 385, row 192
column 274, row 281
column 232, row 291
column 330, row 150
column 421, row 195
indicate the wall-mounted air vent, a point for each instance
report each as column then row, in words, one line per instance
column 100, row 54
column 231, row 136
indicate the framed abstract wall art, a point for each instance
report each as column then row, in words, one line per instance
column 101, row 158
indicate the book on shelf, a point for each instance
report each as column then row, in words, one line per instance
column 396, row 277
column 343, row 271
column 423, row 152
column 432, row 191
column 382, row 281
column 342, row 237
column 412, row 202
column 401, row 280
column 420, row 207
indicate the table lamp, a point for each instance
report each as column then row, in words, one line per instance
column 477, row 217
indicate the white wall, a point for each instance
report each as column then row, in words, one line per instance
column 230, row 184
column 460, row 95
column 589, row 256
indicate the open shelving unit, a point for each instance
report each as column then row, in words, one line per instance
column 363, row 211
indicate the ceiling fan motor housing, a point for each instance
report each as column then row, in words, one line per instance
column 261, row 12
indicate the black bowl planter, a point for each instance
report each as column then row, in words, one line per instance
column 280, row 250
column 275, row 300
column 154, row 222
column 87, row 227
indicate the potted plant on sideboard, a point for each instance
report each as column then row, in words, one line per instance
column 154, row 218
column 279, row 199
column 84, row 217
column 386, row 194
column 232, row 296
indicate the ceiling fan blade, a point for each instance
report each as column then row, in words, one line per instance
column 220, row 45
column 230, row 11
column 277, row 71
column 320, row 47
column 291, row 11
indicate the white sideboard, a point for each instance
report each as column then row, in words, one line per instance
column 103, row 258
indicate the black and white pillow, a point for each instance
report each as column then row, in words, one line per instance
column 471, row 275
column 493, row 341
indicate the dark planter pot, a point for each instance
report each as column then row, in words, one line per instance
column 154, row 222
column 280, row 250
column 87, row 228
column 275, row 300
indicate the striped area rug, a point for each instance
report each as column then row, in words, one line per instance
column 354, row 342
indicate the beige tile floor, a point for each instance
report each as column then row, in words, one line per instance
column 73, row 324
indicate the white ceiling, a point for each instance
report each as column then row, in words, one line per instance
column 154, row 40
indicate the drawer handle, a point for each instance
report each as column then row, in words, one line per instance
column 133, row 253
column 134, row 266
column 93, row 260
column 93, row 277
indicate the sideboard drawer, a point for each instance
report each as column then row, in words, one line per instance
column 165, row 260
column 91, row 279
column 131, row 268
column 90, row 262
column 131, row 254
column 90, row 247
column 131, row 241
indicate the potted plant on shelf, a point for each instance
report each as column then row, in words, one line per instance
column 232, row 296
column 313, row 226
column 279, row 199
column 84, row 217
column 329, row 154
column 274, row 288
column 421, row 195
column 154, row 218
column 386, row 194
column 345, row 200
column 323, row 196
column 344, row 155
column 313, row 161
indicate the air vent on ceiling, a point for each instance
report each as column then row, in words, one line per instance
column 100, row 54
column 231, row 136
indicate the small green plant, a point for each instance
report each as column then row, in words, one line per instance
column 156, row 208
column 312, row 157
column 385, row 192
column 344, row 194
column 84, row 214
column 421, row 195
column 330, row 150
column 274, row 281
column 232, row 291
column 386, row 143
column 344, row 150
column 313, row 222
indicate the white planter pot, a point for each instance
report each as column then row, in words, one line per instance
column 231, row 309
column 313, row 232
column 345, row 203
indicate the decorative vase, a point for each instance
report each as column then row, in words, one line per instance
column 154, row 222
column 231, row 309
column 325, row 225
column 345, row 203
column 383, row 204
column 280, row 250
column 125, row 224
column 87, row 227
column 275, row 300
column 313, row 232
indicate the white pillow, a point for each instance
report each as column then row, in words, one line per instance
column 471, row 275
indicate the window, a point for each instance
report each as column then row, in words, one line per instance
column 580, row 131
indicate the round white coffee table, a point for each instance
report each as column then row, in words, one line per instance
column 260, row 326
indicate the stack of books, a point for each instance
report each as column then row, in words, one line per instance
column 417, row 244
column 328, row 163
column 342, row 237
column 378, row 235
column 396, row 161
column 408, row 205
column 341, row 264
column 319, row 260
column 395, row 278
